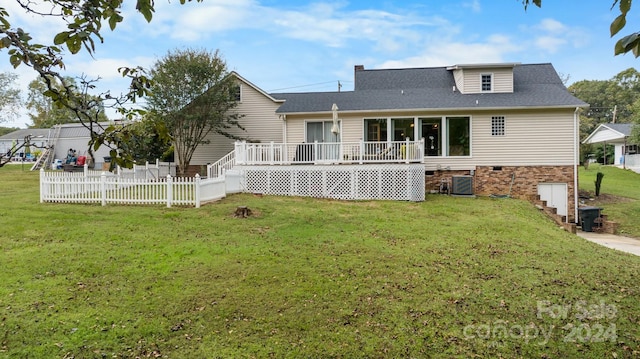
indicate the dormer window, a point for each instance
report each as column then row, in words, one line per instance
column 486, row 82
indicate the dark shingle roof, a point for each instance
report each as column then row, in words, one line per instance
column 623, row 128
column 536, row 85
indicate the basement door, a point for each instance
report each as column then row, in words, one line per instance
column 556, row 196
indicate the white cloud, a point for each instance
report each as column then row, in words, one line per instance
column 446, row 53
column 474, row 5
column 549, row 43
column 192, row 22
column 551, row 35
column 329, row 24
column 552, row 26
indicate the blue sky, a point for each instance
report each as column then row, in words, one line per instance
column 292, row 46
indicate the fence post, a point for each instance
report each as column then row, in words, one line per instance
column 41, row 185
column 240, row 152
column 169, row 191
column 86, row 170
column 361, row 150
column 103, row 187
column 315, row 150
column 196, row 183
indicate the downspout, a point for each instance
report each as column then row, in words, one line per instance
column 576, row 158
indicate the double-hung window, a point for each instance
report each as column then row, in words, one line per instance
column 486, row 82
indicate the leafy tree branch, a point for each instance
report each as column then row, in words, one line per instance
column 84, row 21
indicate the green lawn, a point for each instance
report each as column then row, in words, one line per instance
column 619, row 196
column 306, row 278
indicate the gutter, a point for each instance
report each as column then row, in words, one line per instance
column 432, row 110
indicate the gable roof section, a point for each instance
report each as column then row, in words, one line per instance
column 609, row 132
column 237, row 75
column 535, row 85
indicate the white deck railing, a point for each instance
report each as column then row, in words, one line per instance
column 329, row 152
column 88, row 187
column 218, row 168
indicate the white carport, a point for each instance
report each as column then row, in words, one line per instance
column 616, row 134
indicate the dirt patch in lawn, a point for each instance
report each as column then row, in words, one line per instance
column 604, row 198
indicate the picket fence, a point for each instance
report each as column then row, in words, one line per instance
column 105, row 187
column 148, row 171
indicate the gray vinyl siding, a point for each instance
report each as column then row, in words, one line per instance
column 458, row 77
column 260, row 121
column 532, row 137
column 502, row 80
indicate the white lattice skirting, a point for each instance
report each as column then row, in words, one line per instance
column 400, row 182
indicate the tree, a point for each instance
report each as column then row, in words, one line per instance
column 6, row 130
column 84, row 21
column 15, row 149
column 628, row 43
column 43, row 111
column 149, row 141
column 610, row 100
column 10, row 100
column 192, row 95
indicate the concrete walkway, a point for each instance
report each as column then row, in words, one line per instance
column 621, row 243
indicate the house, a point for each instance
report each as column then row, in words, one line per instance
column 76, row 136
column 55, row 142
column 616, row 134
column 260, row 121
column 38, row 138
column 505, row 128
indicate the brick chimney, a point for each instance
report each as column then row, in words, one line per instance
column 356, row 68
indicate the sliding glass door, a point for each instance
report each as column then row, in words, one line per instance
column 328, row 142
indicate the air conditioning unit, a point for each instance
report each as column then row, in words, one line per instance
column 462, row 185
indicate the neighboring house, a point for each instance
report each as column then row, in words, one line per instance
column 616, row 134
column 60, row 139
column 76, row 136
column 38, row 139
column 509, row 127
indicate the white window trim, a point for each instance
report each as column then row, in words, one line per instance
column 504, row 125
column 241, row 93
column 490, row 74
column 323, row 121
column 445, row 136
column 444, row 143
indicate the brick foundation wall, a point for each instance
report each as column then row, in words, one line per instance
column 193, row 169
column 488, row 180
column 432, row 181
